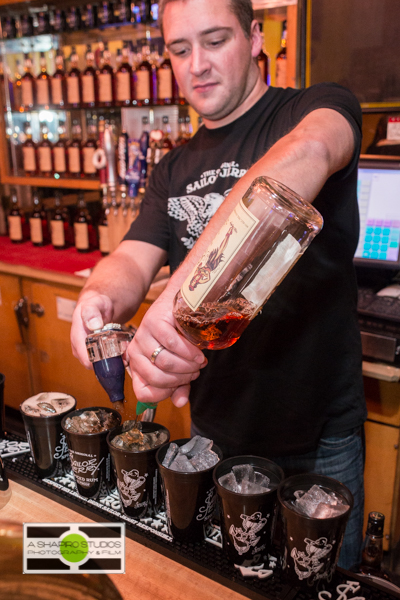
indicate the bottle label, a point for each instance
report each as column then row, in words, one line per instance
column 60, row 162
column 27, row 92
column 164, row 83
column 81, row 231
column 36, row 231
column 142, row 85
column 57, row 233
column 280, row 73
column 74, row 160
column 105, row 87
column 29, row 159
column 88, row 96
column 73, row 90
column 45, row 159
column 218, row 256
column 42, row 89
column 88, row 166
column 56, row 91
column 104, row 239
column 15, row 227
column 123, row 87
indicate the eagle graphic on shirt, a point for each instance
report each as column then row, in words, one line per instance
column 197, row 211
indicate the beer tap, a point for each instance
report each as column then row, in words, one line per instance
column 109, row 151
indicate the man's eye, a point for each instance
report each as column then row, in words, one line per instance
column 216, row 43
column 179, row 51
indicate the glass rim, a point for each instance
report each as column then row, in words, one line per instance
column 80, row 410
column 50, row 416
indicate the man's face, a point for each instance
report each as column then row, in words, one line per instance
column 212, row 59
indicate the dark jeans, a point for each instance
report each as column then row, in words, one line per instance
column 343, row 459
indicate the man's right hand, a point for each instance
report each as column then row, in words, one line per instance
column 92, row 311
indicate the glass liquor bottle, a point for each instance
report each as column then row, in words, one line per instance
column 28, row 151
column 281, row 62
column 138, row 12
column 28, row 85
column 26, row 25
column 74, row 151
column 58, row 83
column 372, row 551
column 18, row 228
column 88, row 80
column 182, row 135
column 41, row 24
column 166, row 143
column 44, row 153
column 58, row 21
column 38, row 223
column 59, row 225
column 144, row 142
column 88, row 150
column 124, row 80
column 166, row 91
column 122, row 11
column 89, row 16
column 263, row 62
column 103, row 229
column 105, row 79
column 74, row 82
column 73, row 18
column 189, row 128
column 17, row 86
column 43, row 84
column 146, row 79
column 105, row 13
column 82, row 226
column 60, row 151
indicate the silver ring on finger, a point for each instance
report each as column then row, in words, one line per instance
column 156, row 353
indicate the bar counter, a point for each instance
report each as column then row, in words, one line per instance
column 149, row 575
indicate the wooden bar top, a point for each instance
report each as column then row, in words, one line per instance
column 149, row 575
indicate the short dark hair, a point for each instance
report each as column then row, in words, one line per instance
column 242, row 9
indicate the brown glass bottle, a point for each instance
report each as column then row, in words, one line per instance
column 58, row 83
column 59, row 225
column 18, row 228
column 145, row 75
column 17, row 86
column 88, row 80
column 263, row 62
column 44, row 153
column 28, row 151
column 88, row 150
column 74, row 151
column 165, row 81
column 124, row 89
column 43, row 84
column 38, row 225
column 166, row 143
column 182, row 137
column 73, row 78
column 82, row 226
column 60, row 162
column 372, row 552
column 105, row 79
column 28, row 85
column 281, row 62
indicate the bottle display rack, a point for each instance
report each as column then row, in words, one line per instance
column 206, row 558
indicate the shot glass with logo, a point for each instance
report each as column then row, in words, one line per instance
column 86, row 432
column 42, row 415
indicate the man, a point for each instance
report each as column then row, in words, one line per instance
column 291, row 387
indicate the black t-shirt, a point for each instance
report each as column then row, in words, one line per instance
column 295, row 374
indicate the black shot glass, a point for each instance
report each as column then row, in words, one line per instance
column 248, row 520
column 137, row 475
column 47, row 441
column 90, row 457
column 190, row 498
column 310, row 546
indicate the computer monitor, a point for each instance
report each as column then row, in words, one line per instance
column 379, row 205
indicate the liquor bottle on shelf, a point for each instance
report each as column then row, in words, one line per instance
column 189, row 128
column 28, row 85
column 28, row 151
column 146, row 80
column 166, row 143
column 88, row 150
column 41, row 24
column 74, row 151
column 105, row 13
column 88, row 80
column 182, row 134
column 144, row 149
column 167, row 88
column 18, row 228
column 60, row 150
column 58, row 22
column 43, row 84
column 281, row 62
column 74, row 94
column 82, row 226
column 263, row 62
column 89, row 16
column 122, row 11
column 17, row 86
column 38, row 225
column 105, row 79
column 26, row 24
column 5, row 82
column 58, row 83
column 59, row 225
column 103, row 229
column 139, row 12
column 124, row 83
column 44, row 153
column 153, row 19
column 118, row 59
column 73, row 18
column 8, row 29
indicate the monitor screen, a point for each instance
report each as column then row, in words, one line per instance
column 378, row 195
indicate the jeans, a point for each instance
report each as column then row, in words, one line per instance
column 340, row 457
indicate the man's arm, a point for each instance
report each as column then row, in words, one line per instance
column 322, row 144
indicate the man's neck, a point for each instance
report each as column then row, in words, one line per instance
column 256, row 93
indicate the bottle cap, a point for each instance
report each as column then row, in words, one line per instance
column 376, row 521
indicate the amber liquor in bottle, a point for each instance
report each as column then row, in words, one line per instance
column 88, row 150
column 44, row 153
column 28, row 85
column 74, row 82
column 105, row 79
column 58, row 83
column 60, row 162
column 43, row 84
column 146, row 77
column 167, row 89
column 59, row 225
column 18, row 228
column 74, row 147
column 124, row 80
column 38, row 223
column 28, row 151
column 82, row 226
column 166, row 143
column 88, row 80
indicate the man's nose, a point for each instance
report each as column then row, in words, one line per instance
column 200, row 63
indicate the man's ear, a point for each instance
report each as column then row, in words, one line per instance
column 255, row 38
